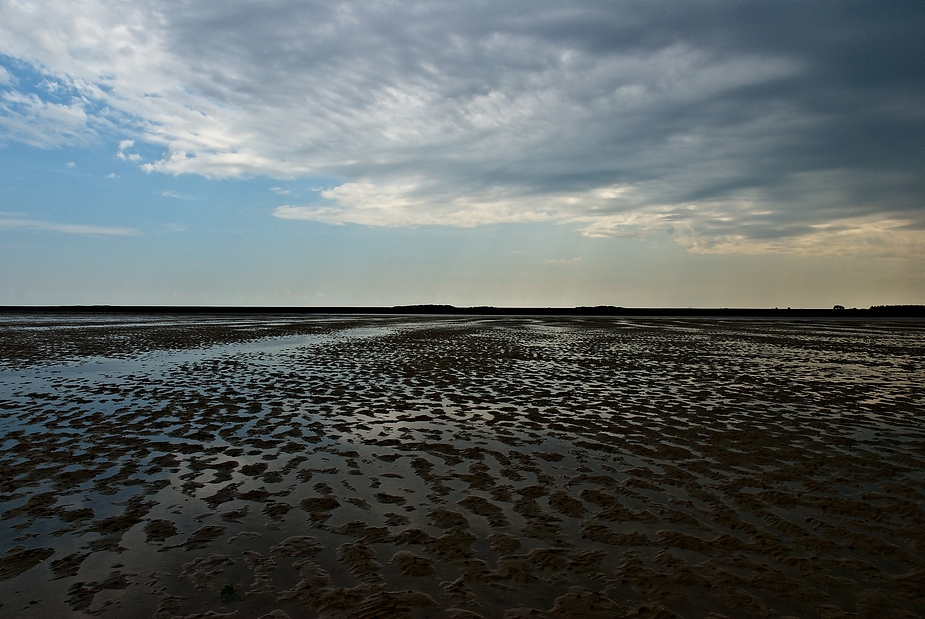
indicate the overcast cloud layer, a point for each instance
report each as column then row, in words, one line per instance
column 745, row 127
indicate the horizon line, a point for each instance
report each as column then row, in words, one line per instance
column 838, row 311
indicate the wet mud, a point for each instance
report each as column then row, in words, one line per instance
column 365, row 467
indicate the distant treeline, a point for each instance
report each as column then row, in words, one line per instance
column 916, row 311
column 876, row 311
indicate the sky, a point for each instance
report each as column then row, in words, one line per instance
column 637, row 154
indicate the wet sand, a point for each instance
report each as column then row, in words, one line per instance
column 363, row 467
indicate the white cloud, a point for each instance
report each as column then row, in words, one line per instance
column 562, row 261
column 29, row 119
column 620, row 119
column 170, row 193
column 112, row 175
column 414, row 204
column 121, row 154
column 70, row 164
column 34, row 224
column 868, row 236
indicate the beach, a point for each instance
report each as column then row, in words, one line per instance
column 463, row 467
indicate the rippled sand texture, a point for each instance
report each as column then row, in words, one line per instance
column 456, row 467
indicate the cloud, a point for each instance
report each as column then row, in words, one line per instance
column 562, row 261
column 748, row 126
column 415, row 203
column 29, row 119
column 34, row 224
column 170, row 193
column 121, row 154
column 69, row 164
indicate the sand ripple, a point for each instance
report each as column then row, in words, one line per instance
column 461, row 467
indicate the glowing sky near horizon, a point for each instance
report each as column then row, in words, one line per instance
column 486, row 153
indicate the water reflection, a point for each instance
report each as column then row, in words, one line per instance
column 396, row 466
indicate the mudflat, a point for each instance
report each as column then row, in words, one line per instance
column 364, row 467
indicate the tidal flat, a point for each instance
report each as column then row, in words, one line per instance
column 461, row 467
